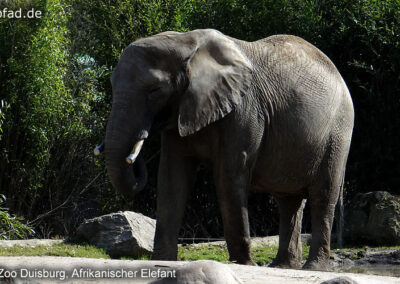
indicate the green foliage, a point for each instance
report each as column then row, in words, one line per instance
column 104, row 28
column 38, row 102
column 11, row 226
column 3, row 108
column 44, row 154
column 47, row 102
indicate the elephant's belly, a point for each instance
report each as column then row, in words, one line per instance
column 278, row 184
column 284, row 172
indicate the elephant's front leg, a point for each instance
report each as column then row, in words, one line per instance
column 176, row 176
column 232, row 189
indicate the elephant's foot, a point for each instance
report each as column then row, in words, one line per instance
column 293, row 264
column 318, row 259
column 287, row 258
column 239, row 251
column 163, row 255
column 244, row 261
column 241, row 257
column 321, row 265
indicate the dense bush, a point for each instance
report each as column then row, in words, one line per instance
column 47, row 127
column 11, row 226
column 56, row 98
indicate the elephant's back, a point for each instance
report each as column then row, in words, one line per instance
column 288, row 52
column 297, row 71
column 292, row 49
column 309, row 74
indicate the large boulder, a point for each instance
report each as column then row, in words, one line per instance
column 373, row 218
column 120, row 234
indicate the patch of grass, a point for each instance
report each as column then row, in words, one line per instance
column 392, row 247
column 353, row 256
column 264, row 255
column 306, row 250
column 61, row 249
column 211, row 252
column 260, row 255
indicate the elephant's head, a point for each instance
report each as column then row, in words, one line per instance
column 181, row 80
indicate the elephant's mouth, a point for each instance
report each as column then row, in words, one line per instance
column 140, row 173
column 136, row 160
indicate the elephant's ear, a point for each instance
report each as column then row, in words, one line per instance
column 219, row 75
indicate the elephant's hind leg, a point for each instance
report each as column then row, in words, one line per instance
column 323, row 196
column 322, row 211
column 290, row 247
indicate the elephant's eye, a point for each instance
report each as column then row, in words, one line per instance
column 154, row 93
column 154, row 89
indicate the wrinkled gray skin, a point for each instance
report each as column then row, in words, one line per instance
column 272, row 115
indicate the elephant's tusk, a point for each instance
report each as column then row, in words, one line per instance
column 135, row 152
column 98, row 149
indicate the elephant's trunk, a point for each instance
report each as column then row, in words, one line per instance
column 128, row 179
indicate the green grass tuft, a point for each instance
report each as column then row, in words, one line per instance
column 61, row 249
column 264, row 255
column 211, row 252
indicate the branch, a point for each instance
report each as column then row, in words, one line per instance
column 41, row 216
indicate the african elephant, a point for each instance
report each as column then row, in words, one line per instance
column 272, row 115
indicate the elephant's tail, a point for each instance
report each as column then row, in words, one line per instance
column 339, row 216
